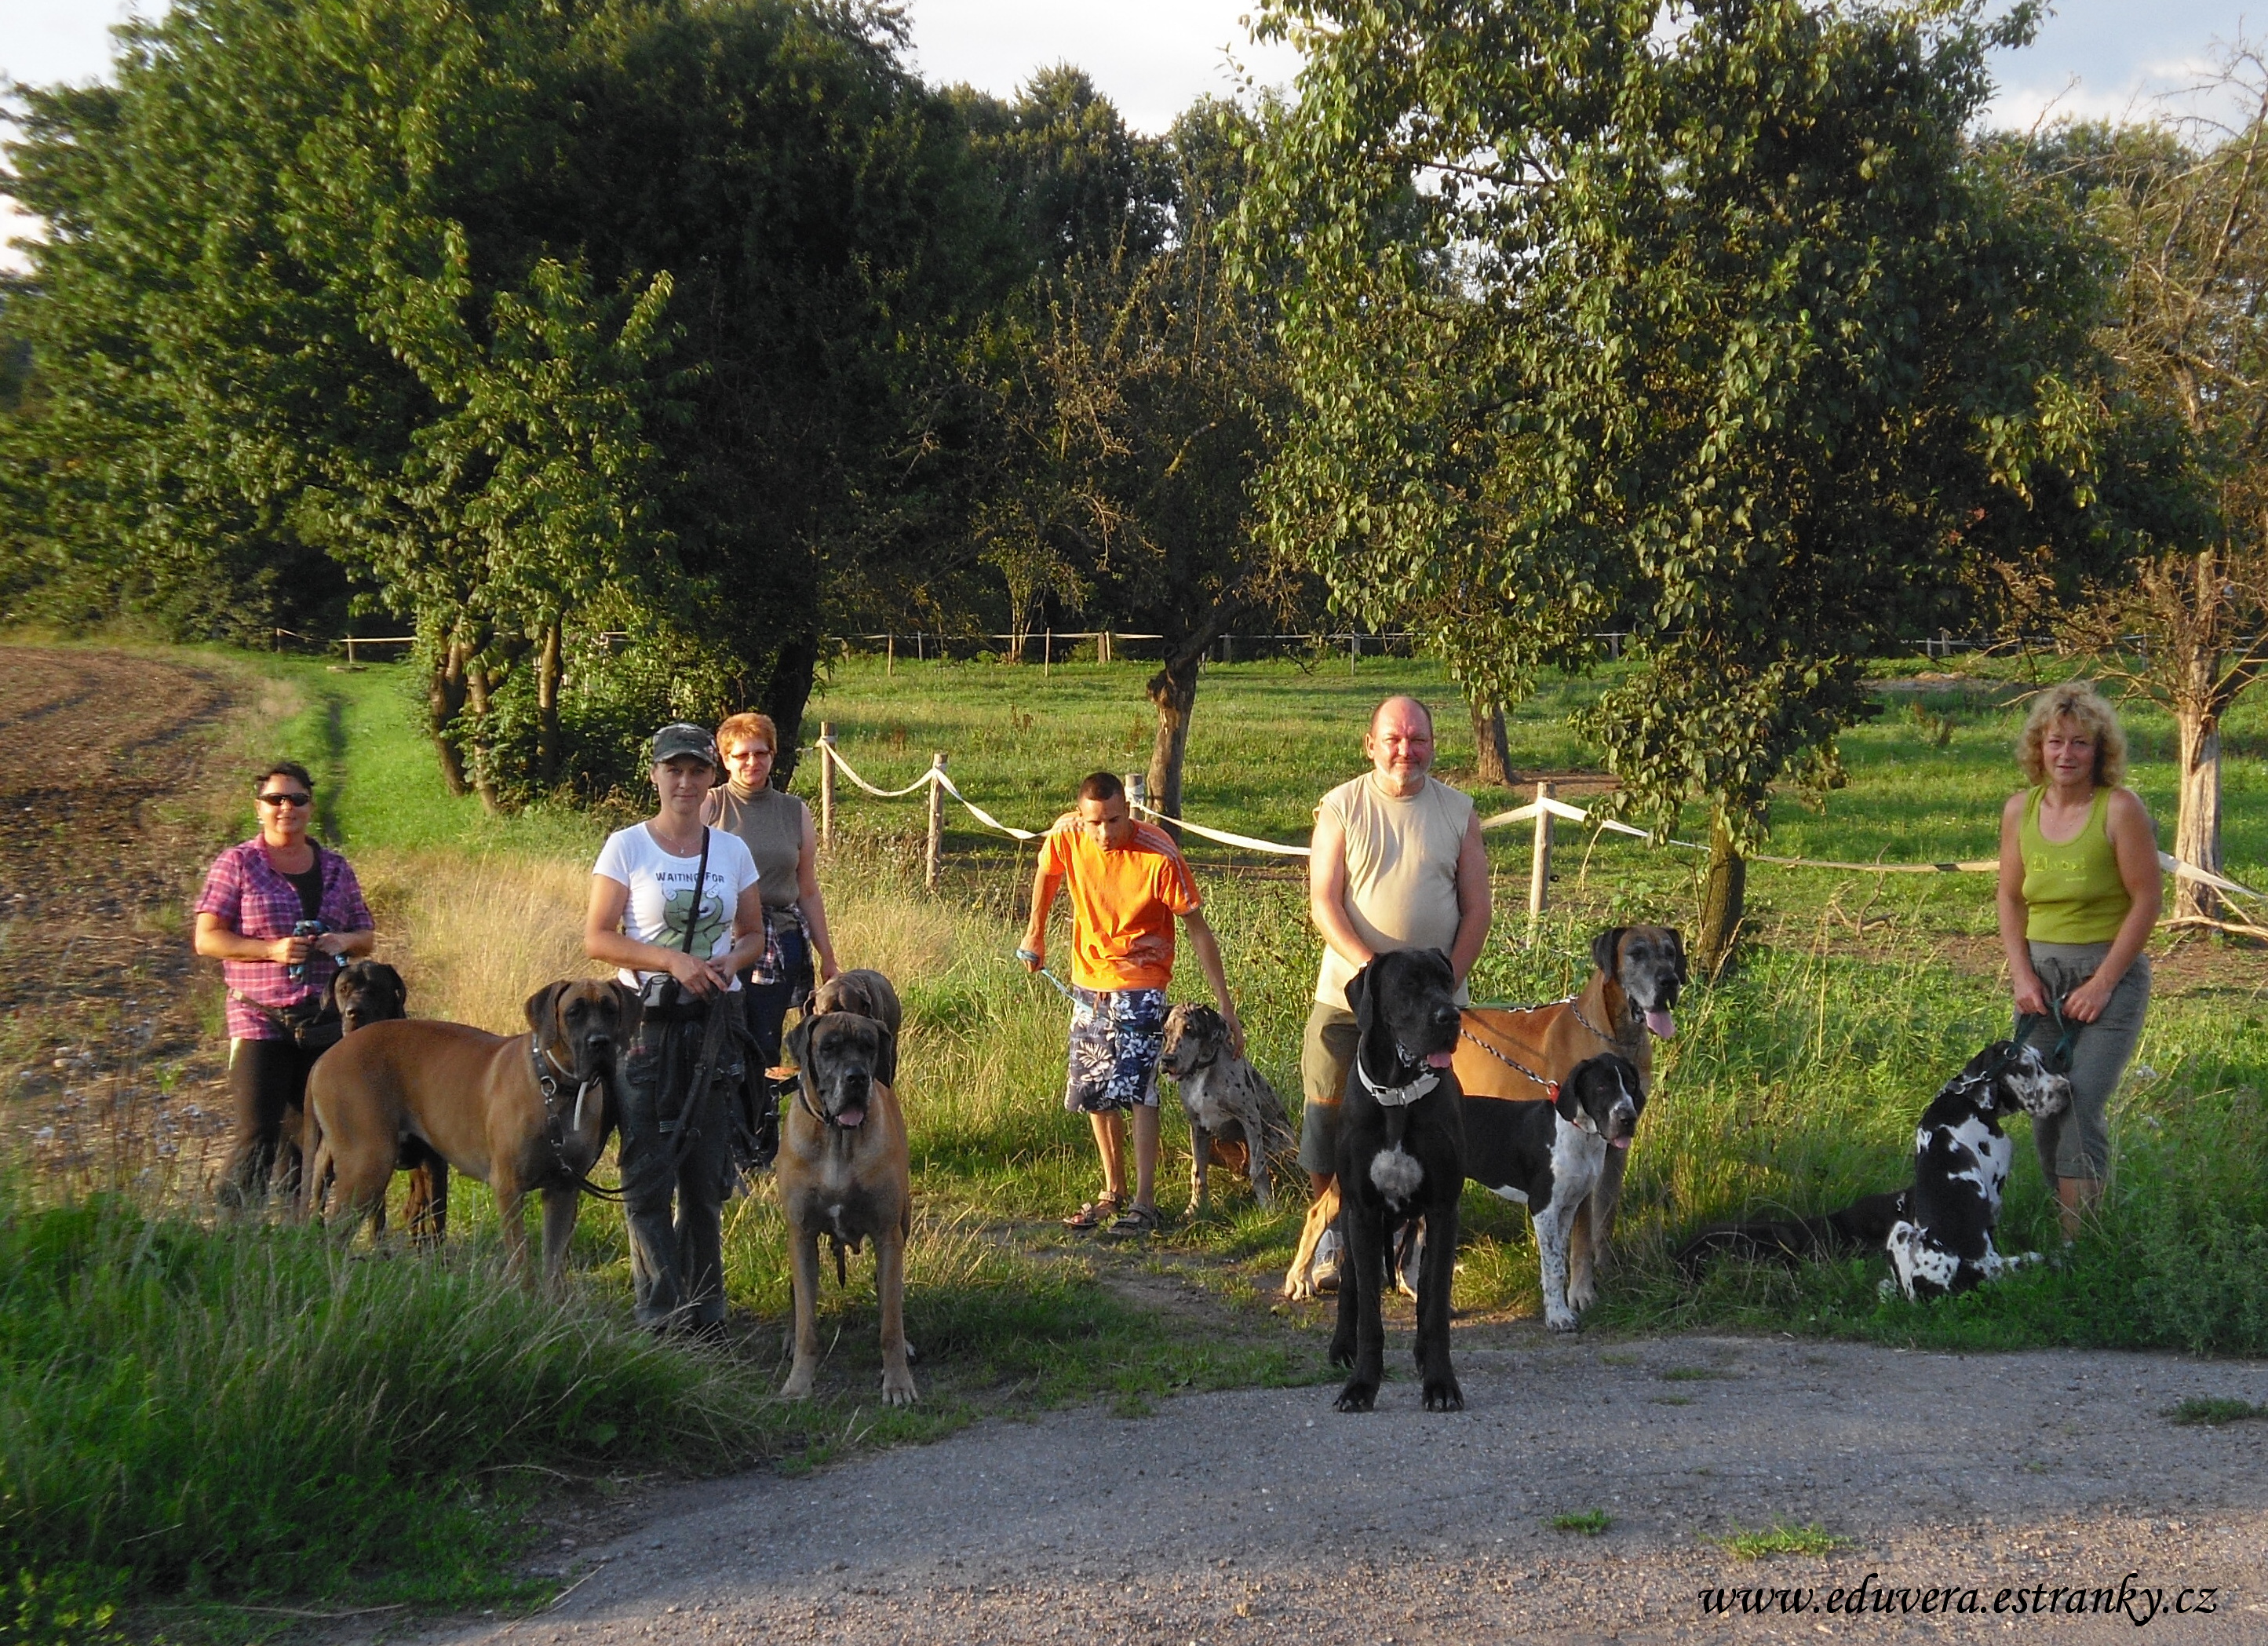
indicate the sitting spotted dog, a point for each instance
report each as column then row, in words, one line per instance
column 1939, row 1231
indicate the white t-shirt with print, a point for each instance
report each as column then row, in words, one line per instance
column 661, row 889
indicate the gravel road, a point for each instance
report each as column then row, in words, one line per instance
column 1263, row 1515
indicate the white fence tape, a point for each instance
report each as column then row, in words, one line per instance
column 1501, row 820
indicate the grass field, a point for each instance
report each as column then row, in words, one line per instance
column 1793, row 1086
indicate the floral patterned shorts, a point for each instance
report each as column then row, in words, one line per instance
column 1115, row 1038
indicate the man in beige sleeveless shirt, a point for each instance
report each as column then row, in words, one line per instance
column 1396, row 861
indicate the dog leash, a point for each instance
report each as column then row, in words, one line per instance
column 2059, row 1060
column 1030, row 960
column 1552, row 1086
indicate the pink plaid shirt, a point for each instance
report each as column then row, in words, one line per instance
column 253, row 900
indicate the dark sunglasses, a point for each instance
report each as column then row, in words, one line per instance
column 285, row 800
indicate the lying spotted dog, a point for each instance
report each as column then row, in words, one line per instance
column 1939, row 1231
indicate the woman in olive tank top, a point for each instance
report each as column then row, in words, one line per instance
column 2080, row 891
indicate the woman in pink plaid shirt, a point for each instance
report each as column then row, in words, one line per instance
column 279, row 913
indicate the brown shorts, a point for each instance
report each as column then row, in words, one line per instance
column 1326, row 1052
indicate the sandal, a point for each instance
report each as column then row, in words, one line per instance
column 1097, row 1212
column 1136, row 1220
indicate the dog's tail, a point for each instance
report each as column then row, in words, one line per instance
column 1863, row 1225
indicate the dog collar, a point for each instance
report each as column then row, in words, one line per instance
column 538, row 1056
column 1399, row 1096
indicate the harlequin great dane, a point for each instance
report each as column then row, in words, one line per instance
column 1937, row 1231
column 522, row 1114
column 1637, row 973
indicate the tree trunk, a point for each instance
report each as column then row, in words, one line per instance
column 786, row 695
column 1174, row 691
column 550, row 667
column 1724, row 899
column 445, row 699
column 1492, row 755
column 476, row 703
column 2196, row 833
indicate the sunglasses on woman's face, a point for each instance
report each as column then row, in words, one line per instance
column 285, row 800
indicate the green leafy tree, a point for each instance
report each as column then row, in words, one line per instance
column 605, row 315
column 2184, row 214
column 1727, row 336
column 1133, row 394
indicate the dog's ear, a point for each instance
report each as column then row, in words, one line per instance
column 331, row 990
column 1567, row 1097
column 798, row 1043
column 1358, row 993
column 1448, row 967
column 1678, row 948
column 1605, row 948
column 539, row 1007
column 886, row 1065
column 632, row 1005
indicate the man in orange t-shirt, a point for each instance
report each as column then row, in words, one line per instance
column 1127, row 882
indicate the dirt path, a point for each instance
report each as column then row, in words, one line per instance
column 1261, row 1515
column 108, row 778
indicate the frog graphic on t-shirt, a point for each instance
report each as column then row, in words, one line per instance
column 709, row 929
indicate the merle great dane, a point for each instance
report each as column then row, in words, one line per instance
column 1401, row 1156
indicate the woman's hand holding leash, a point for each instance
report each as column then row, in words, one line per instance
column 694, row 974
column 2089, row 1000
column 2032, row 994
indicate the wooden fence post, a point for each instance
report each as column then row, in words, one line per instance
column 827, row 783
column 1103, row 647
column 1137, row 790
column 935, row 857
column 1539, row 869
column 890, row 654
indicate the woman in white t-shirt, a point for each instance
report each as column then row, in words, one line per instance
column 652, row 884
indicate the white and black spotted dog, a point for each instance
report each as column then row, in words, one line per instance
column 1942, row 1241
column 1235, row 1118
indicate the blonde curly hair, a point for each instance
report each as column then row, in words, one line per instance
column 2078, row 702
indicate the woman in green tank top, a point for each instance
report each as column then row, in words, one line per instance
column 2079, row 893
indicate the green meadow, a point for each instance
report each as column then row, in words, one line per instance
column 219, row 1413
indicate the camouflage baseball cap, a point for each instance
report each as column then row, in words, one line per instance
column 684, row 738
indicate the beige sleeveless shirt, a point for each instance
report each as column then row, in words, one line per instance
column 1400, row 871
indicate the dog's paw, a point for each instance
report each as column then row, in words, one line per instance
column 1296, row 1289
column 1563, row 1320
column 798, row 1386
column 1357, row 1396
column 898, row 1388
column 1445, row 1396
column 1341, row 1353
column 1582, row 1294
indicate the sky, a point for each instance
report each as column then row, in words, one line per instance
column 2093, row 58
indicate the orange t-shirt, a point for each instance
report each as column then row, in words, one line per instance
column 1119, row 900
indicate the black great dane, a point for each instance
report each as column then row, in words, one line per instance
column 1401, row 1156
